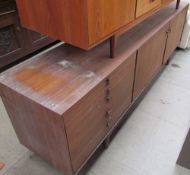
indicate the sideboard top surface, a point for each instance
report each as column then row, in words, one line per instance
column 69, row 73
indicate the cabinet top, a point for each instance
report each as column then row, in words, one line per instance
column 60, row 77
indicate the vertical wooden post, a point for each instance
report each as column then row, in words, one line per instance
column 177, row 4
column 113, row 42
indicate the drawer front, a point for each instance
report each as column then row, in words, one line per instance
column 145, row 6
column 86, row 125
column 121, row 86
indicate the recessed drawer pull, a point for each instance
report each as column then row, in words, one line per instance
column 108, row 95
column 107, row 82
column 108, row 98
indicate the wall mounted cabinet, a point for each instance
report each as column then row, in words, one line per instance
column 85, row 23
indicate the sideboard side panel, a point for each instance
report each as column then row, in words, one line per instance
column 39, row 129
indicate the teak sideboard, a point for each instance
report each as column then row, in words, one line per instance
column 86, row 23
column 65, row 103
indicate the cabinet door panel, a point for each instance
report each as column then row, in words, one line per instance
column 144, row 6
column 121, row 86
column 86, row 125
column 149, row 60
column 174, row 36
column 106, row 16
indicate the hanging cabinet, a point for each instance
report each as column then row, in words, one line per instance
column 86, row 23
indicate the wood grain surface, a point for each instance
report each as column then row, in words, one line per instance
column 65, row 102
column 85, row 23
column 149, row 60
column 175, row 34
column 144, row 6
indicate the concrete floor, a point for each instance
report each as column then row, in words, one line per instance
column 148, row 144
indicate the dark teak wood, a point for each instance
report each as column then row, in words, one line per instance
column 65, row 103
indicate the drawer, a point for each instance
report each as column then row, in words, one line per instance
column 121, row 87
column 86, row 125
column 145, row 6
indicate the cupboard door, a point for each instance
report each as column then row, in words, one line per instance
column 144, row 6
column 149, row 60
column 120, row 90
column 175, row 33
column 106, row 16
column 86, row 125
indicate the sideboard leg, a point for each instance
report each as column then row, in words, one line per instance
column 113, row 42
column 177, row 4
